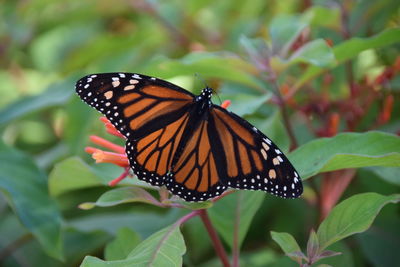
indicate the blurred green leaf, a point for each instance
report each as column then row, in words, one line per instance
column 51, row 49
column 244, row 104
column 234, row 213
column 286, row 241
column 284, row 30
column 380, row 244
column 79, row 117
column 145, row 223
column 55, row 95
column 224, row 66
column 389, row 174
column 25, row 187
column 122, row 245
column 316, row 52
column 122, row 195
column 164, row 248
column 78, row 244
column 351, row 48
column 73, row 174
column 323, row 16
column 353, row 215
column 346, row 150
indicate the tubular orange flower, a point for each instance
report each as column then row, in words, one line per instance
column 226, row 104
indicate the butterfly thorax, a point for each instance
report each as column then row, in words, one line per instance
column 203, row 101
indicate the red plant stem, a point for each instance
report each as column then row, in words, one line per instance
column 120, row 178
column 219, row 249
column 187, row 217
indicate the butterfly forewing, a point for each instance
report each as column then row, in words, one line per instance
column 136, row 104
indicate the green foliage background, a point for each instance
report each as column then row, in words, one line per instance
column 321, row 50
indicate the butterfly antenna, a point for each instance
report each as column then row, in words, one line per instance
column 198, row 76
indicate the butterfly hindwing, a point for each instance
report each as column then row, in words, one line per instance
column 194, row 175
column 150, row 157
column 248, row 159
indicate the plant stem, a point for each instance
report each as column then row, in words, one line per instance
column 219, row 249
column 8, row 250
column 236, row 247
column 187, row 217
column 285, row 116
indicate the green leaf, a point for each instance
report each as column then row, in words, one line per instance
column 351, row 48
column 323, row 16
column 312, row 246
column 234, row 213
column 164, row 248
column 316, row 52
column 286, row 241
column 353, row 215
column 122, row 195
column 73, row 173
column 389, row 174
column 284, row 30
column 217, row 65
column 243, row 104
column 346, row 150
column 56, row 94
column 122, row 245
column 25, row 188
column 190, row 205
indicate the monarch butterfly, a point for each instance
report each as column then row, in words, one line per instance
column 185, row 142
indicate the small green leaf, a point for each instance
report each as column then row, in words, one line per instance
column 286, row 241
column 328, row 254
column 125, row 241
column 316, row 52
column 25, row 188
column 164, row 248
column 234, row 213
column 122, row 195
column 284, row 30
column 312, row 246
column 353, row 215
column 347, row 150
